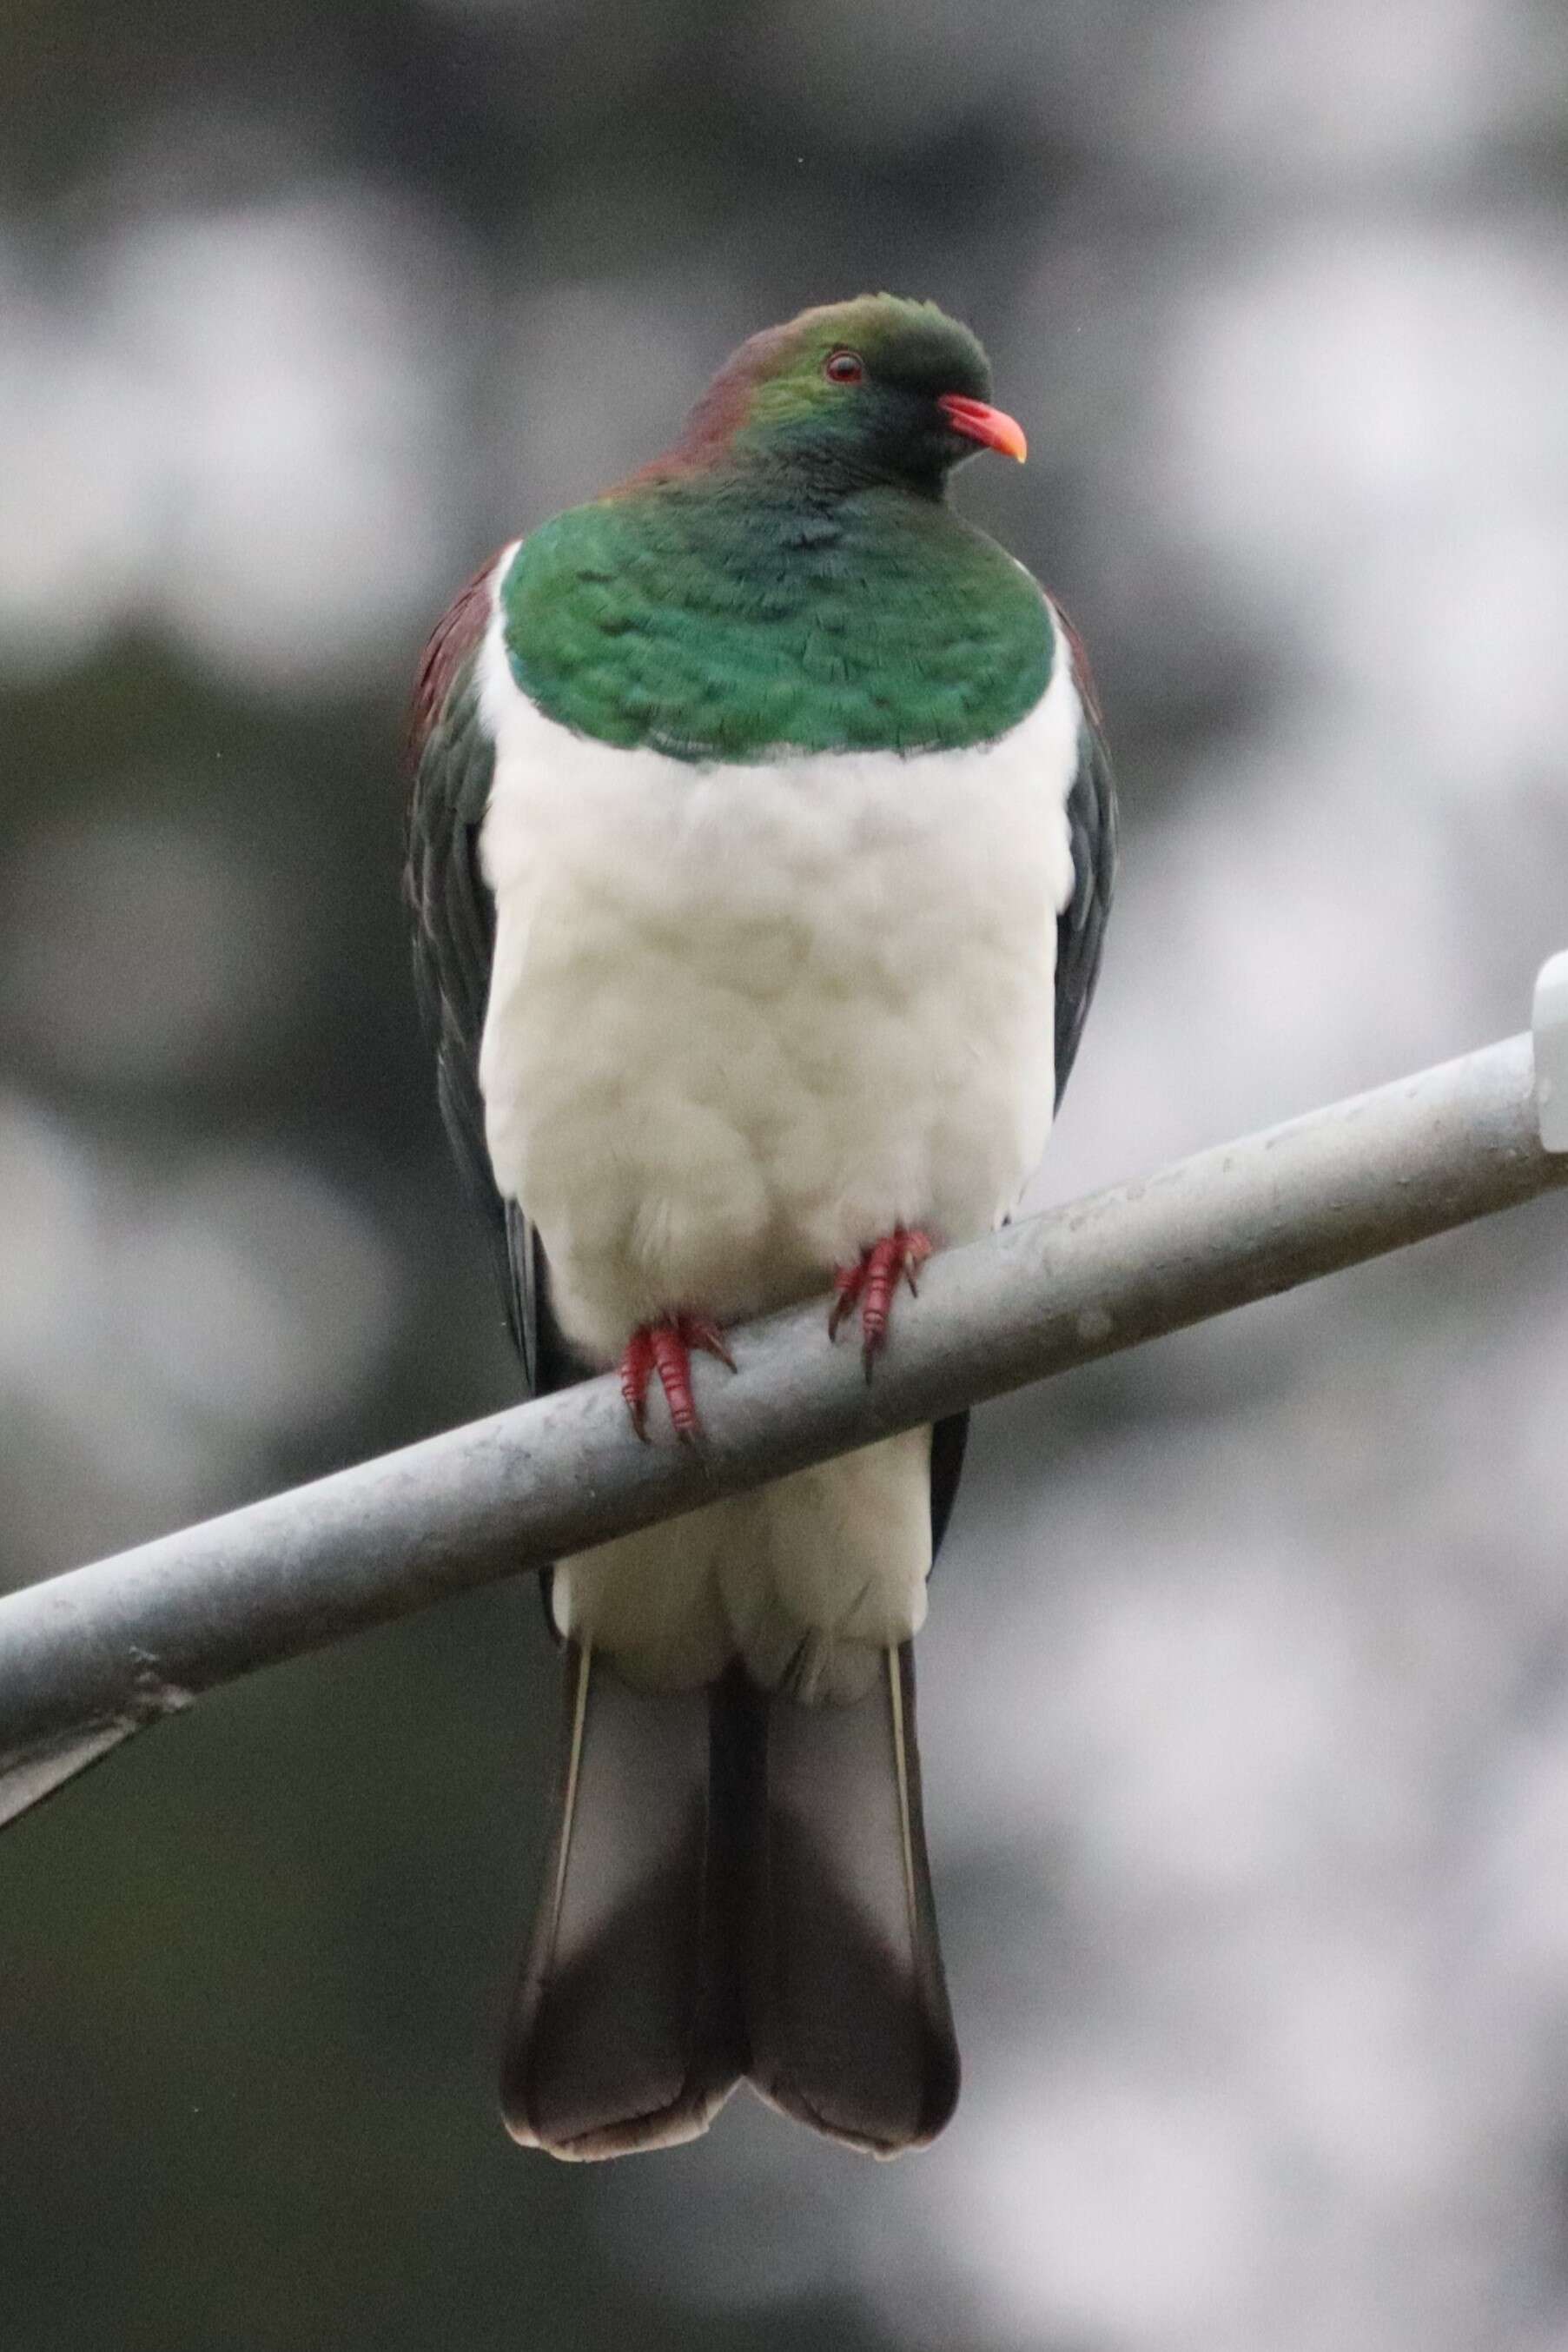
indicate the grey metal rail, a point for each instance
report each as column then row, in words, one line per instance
column 88, row 1657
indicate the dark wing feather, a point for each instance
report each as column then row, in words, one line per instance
column 1091, row 825
column 452, row 761
column 1080, row 933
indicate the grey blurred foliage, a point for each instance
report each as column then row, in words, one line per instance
column 1246, row 1686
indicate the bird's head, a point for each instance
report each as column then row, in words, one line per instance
column 879, row 389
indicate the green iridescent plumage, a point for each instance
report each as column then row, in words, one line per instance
column 716, row 626
column 790, row 576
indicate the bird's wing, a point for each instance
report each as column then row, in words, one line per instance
column 450, row 763
column 1079, row 934
column 1091, row 825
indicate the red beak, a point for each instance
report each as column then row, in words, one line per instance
column 988, row 427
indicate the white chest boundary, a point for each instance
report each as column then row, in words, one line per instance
column 743, row 1018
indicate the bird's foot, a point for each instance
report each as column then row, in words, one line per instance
column 664, row 1347
column 873, row 1284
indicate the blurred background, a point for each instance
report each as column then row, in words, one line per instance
column 1246, row 1684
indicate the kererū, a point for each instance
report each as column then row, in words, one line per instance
column 761, row 841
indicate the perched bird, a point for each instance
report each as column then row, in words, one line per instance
column 760, row 847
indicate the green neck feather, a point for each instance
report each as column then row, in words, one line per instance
column 733, row 610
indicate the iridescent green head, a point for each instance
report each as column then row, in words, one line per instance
column 879, row 389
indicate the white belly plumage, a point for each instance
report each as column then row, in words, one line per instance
column 743, row 1021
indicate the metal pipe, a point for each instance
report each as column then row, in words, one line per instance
column 88, row 1657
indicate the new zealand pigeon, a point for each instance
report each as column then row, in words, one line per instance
column 760, row 847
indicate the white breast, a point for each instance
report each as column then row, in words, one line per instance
column 743, row 1020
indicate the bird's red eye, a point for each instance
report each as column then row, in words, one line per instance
column 843, row 367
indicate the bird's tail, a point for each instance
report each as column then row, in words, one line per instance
column 627, row 2030
column 736, row 1886
column 847, row 2012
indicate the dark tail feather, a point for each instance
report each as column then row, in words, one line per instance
column 627, row 2029
column 847, row 2003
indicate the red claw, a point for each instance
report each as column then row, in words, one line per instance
column 636, row 1366
column 874, row 1283
column 665, row 1348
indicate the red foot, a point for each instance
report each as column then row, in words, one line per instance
column 665, row 1348
column 872, row 1282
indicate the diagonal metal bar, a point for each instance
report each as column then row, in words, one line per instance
column 90, row 1657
